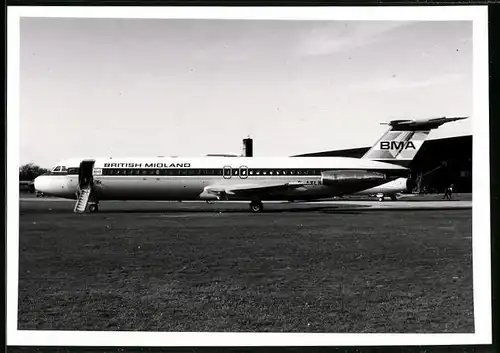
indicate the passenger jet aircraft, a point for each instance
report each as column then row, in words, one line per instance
column 253, row 179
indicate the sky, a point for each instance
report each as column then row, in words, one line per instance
column 148, row 87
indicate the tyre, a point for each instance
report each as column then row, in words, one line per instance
column 256, row 206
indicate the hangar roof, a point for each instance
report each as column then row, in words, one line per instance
column 452, row 150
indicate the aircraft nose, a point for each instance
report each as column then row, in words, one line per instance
column 42, row 183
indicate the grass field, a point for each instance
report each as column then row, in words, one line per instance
column 170, row 267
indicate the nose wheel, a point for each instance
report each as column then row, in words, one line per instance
column 256, row 206
column 93, row 208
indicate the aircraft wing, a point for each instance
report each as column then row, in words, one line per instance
column 241, row 190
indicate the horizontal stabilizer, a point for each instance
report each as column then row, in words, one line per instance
column 416, row 125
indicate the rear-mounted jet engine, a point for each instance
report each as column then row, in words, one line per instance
column 348, row 181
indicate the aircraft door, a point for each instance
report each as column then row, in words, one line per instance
column 226, row 172
column 243, row 172
column 85, row 178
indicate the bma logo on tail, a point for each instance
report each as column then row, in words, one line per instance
column 400, row 145
column 397, row 145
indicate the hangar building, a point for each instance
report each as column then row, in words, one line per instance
column 438, row 164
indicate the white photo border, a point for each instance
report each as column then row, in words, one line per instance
column 481, row 179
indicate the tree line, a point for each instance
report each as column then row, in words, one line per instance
column 28, row 172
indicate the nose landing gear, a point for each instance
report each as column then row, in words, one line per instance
column 94, row 208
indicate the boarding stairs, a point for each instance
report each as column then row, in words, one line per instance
column 83, row 200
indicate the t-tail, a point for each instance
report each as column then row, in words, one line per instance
column 401, row 143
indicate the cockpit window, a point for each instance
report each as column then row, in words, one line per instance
column 60, row 168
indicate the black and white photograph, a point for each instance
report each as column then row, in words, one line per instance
column 204, row 176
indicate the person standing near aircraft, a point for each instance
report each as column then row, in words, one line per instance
column 448, row 192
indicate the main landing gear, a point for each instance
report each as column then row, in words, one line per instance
column 94, row 208
column 256, row 206
column 392, row 197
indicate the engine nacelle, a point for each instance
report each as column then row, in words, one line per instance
column 410, row 185
column 348, row 181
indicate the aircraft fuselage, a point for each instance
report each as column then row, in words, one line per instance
column 187, row 179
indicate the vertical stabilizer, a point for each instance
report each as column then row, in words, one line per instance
column 401, row 143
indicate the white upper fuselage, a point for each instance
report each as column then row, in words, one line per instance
column 253, row 162
column 327, row 163
column 178, row 178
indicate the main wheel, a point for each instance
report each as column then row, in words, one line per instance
column 394, row 198
column 256, row 206
column 93, row 208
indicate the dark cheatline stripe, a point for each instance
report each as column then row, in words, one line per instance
column 61, row 173
column 236, row 172
column 243, row 172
